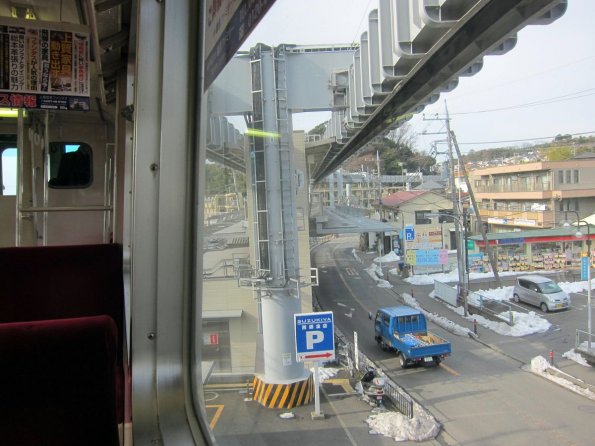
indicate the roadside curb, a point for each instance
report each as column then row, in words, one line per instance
column 577, row 382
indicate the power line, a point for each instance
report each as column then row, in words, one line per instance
column 518, row 79
column 367, row 11
column 527, row 139
column 546, row 101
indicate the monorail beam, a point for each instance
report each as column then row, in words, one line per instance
column 484, row 27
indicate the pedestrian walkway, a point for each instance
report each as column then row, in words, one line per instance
column 237, row 420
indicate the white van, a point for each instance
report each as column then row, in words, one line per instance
column 541, row 292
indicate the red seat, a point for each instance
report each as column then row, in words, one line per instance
column 58, row 282
column 58, row 382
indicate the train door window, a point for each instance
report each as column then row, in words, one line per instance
column 71, row 165
column 8, row 173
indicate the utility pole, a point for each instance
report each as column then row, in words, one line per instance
column 457, row 210
column 484, row 236
column 381, row 241
column 452, row 142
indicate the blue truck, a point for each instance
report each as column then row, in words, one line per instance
column 404, row 330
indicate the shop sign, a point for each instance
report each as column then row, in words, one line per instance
column 523, row 222
column 511, row 241
column 498, row 221
column 426, row 257
column 426, row 238
column 475, row 262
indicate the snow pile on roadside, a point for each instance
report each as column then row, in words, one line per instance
column 574, row 287
column 501, row 294
column 539, row 366
column 375, row 272
column 524, row 323
column 452, row 276
column 394, row 424
column 390, row 257
column 354, row 252
column 576, row 357
column 442, row 321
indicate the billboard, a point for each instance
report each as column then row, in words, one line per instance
column 44, row 65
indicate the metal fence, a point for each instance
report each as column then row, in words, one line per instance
column 497, row 309
column 346, row 357
column 584, row 343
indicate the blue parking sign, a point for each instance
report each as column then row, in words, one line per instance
column 314, row 336
column 410, row 234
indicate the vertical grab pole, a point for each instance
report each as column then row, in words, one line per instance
column 21, row 166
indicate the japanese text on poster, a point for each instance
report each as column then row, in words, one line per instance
column 41, row 67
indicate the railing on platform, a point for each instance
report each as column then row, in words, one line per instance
column 346, row 357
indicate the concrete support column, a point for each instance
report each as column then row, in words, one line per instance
column 279, row 344
column 279, row 300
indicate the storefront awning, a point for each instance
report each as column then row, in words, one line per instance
column 221, row 314
column 535, row 236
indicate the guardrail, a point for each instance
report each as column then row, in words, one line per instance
column 584, row 344
column 478, row 303
column 492, row 307
column 346, row 357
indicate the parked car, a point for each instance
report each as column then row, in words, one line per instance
column 541, row 292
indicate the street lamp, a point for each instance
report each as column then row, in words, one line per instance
column 579, row 234
column 463, row 266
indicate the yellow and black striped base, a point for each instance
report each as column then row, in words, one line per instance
column 283, row 396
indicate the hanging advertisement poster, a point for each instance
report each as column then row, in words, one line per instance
column 44, row 67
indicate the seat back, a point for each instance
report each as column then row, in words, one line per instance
column 58, row 382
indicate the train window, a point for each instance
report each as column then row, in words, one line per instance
column 8, row 162
column 70, row 165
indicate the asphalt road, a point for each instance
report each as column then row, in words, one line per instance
column 482, row 394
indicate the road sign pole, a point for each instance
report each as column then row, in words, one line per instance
column 316, row 390
column 355, row 350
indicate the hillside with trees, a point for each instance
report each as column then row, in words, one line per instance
column 562, row 147
column 396, row 153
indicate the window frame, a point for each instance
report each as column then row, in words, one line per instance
column 55, row 146
column 3, row 147
column 422, row 221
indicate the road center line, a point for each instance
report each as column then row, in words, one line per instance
column 449, row 370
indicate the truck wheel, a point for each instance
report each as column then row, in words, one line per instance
column 403, row 362
column 436, row 360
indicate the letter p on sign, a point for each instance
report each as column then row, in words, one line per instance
column 313, row 337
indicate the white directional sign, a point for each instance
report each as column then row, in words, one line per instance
column 314, row 336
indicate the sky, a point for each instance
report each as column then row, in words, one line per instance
column 9, row 171
column 543, row 87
